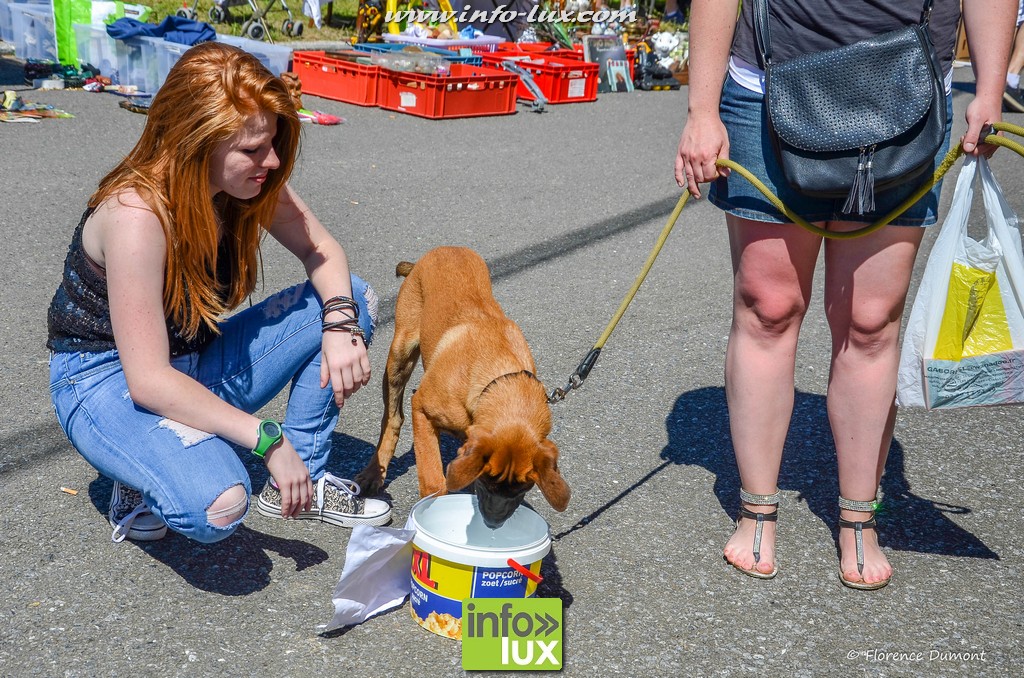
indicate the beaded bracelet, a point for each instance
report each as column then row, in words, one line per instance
column 346, row 326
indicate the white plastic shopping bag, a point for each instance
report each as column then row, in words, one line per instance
column 964, row 342
column 375, row 577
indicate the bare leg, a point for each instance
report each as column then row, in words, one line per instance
column 773, row 266
column 1017, row 55
column 866, row 282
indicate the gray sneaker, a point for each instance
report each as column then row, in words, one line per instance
column 131, row 517
column 1013, row 99
column 335, row 501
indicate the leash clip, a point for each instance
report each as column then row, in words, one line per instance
column 559, row 394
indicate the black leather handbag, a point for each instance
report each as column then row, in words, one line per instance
column 851, row 121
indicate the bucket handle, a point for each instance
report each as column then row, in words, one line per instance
column 526, row 572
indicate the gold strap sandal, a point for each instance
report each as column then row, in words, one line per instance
column 858, row 526
column 761, row 518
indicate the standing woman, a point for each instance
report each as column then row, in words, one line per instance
column 866, row 279
column 150, row 380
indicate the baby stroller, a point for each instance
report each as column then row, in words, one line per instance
column 255, row 27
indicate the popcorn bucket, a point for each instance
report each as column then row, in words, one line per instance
column 456, row 556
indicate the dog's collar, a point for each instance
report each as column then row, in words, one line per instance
column 506, row 376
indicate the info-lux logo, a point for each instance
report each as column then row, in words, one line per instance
column 512, row 634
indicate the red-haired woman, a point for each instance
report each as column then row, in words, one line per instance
column 153, row 385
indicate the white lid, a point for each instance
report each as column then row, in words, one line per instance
column 452, row 527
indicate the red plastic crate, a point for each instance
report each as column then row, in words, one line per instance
column 546, row 48
column 336, row 79
column 563, row 81
column 468, row 91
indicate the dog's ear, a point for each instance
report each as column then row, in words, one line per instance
column 470, row 460
column 549, row 480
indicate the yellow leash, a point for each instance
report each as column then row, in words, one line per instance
column 583, row 369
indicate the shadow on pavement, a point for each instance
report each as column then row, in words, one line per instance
column 236, row 566
column 698, row 432
column 12, row 72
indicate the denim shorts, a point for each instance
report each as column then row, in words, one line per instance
column 180, row 470
column 745, row 117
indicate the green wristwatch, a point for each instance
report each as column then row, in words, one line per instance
column 270, row 435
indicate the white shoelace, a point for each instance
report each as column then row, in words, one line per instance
column 125, row 524
column 345, row 485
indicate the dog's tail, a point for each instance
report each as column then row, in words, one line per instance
column 403, row 269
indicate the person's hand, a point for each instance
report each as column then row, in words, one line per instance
column 703, row 141
column 292, row 478
column 980, row 114
column 345, row 365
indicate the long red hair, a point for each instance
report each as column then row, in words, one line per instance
column 206, row 99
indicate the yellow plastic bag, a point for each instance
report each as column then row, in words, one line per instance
column 964, row 343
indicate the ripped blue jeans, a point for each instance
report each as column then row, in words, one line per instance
column 180, row 470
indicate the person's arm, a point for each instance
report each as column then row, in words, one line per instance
column 128, row 241
column 704, row 139
column 345, row 364
column 990, row 27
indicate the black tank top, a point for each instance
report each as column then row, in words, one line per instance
column 804, row 26
column 79, row 316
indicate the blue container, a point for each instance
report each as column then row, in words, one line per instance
column 453, row 57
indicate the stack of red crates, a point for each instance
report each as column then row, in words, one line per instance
column 560, row 74
column 548, row 49
column 467, row 91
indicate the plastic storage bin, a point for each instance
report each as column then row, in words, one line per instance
column 563, row 81
column 98, row 49
column 168, row 54
column 137, row 63
column 337, row 79
column 450, row 55
column 485, row 43
column 7, row 21
column 412, row 62
column 469, row 91
column 32, row 27
column 274, row 57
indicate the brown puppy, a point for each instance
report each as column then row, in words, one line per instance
column 478, row 384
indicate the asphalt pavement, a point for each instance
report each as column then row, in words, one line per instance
column 565, row 206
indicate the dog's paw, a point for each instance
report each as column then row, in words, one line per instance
column 370, row 480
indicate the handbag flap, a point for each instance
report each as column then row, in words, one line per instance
column 853, row 96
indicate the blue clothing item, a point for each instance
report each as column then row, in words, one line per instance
column 745, row 117
column 181, row 470
column 172, row 29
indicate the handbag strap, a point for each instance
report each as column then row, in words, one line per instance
column 762, row 30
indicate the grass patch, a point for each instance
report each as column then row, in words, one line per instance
column 339, row 27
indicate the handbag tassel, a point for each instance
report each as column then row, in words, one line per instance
column 862, row 193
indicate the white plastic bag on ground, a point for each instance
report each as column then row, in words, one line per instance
column 376, row 574
column 964, row 342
